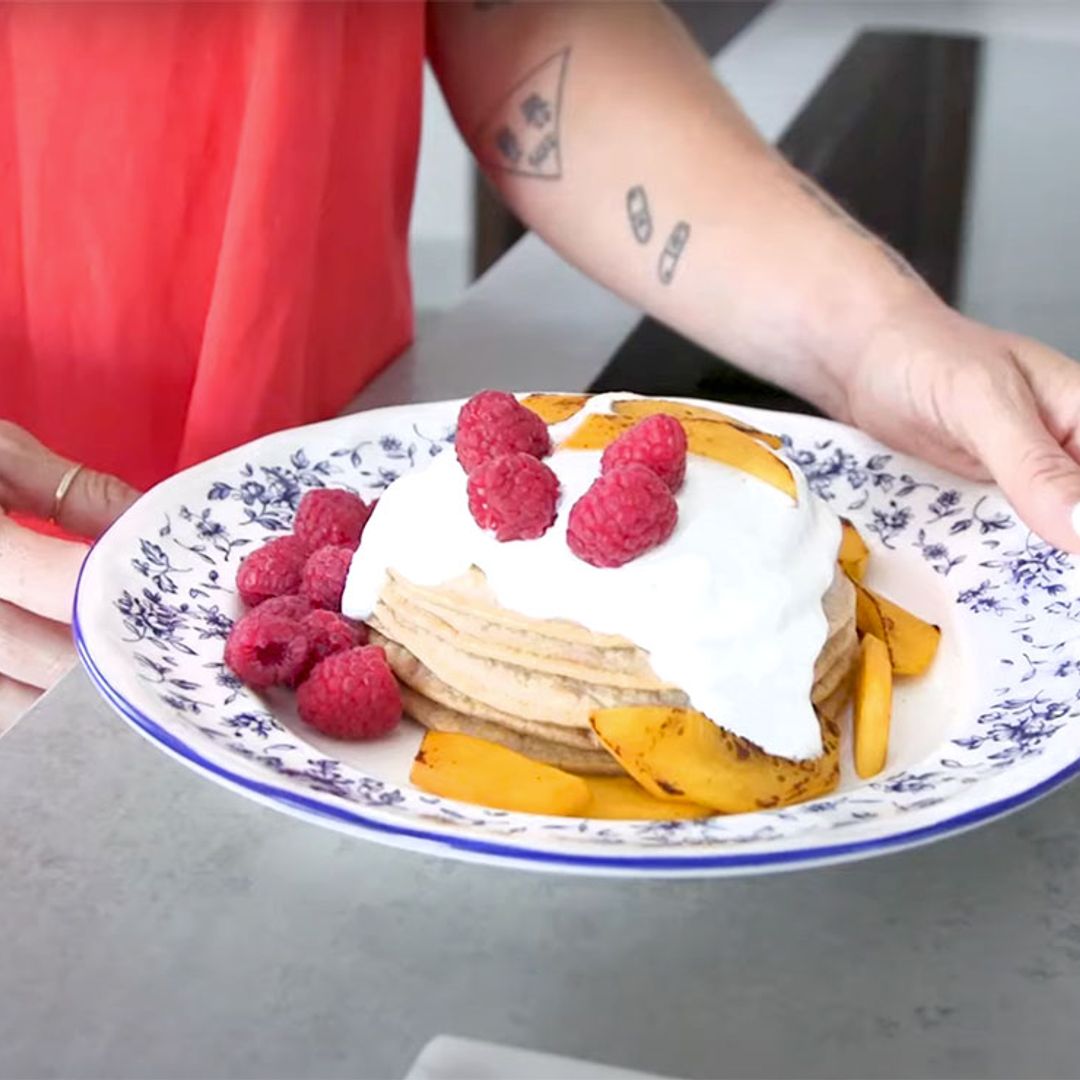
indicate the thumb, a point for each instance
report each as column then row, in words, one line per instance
column 31, row 476
column 1039, row 477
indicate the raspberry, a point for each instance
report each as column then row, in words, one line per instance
column 514, row 495
column 273, row 570
column 289, row 607
column 657, row 442
column 492, row 423
column 328, row 633
column 330, row 516
column 626, row 512
column 351, row 695
column 265, row 650
column 324, row 575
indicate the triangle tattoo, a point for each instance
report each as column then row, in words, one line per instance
column 522, row 134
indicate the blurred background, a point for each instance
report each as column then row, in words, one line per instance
column 953, row 129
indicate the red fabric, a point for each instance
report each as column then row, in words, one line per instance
column 203, row 219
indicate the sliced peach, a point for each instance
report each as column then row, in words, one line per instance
column 681, row 754
column 728, row 445
column 638, row 408
column 912, row 642
column 552, row 408
column 597, row 432
column 873, row 707
column 458, row 766
column 854, row 554
column 621, row 797
column 709, row 438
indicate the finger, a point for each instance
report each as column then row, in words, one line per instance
column 38, row 573
column 1039, row 478
column 1055, row 381
column 32, row 474
column 15, row 699
column 93, row 502
column 33, row 650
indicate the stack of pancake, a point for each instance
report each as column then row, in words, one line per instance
column 467, row 664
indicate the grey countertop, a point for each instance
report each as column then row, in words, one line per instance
column 155, row 925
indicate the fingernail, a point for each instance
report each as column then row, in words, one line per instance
column 1076, row 519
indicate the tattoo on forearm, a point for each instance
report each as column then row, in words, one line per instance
column 672, row 253
column 838, row 213
column 522, row 134
column 637, row 210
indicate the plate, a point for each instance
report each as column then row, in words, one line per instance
column 991, row 727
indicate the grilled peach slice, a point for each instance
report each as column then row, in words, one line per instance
column 458, row 766
column 873, row 707
column 638, row 408
column 552, row 408
column 681, row 754
column 912, row 642
column 709, row 438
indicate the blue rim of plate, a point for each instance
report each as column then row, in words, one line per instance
column 507, row 854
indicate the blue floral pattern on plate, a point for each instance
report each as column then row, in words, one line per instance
column 156, row 602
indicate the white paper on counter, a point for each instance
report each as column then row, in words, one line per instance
column 447, row 1057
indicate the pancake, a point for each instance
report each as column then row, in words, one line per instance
column 525, row 738
column 466, row 664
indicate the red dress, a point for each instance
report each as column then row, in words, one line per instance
column 203, row 219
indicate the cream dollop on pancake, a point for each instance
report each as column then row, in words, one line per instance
column 727, row 616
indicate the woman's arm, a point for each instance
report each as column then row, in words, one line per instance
column 604, row 129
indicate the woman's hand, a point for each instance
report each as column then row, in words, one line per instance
column 38, row 573
column 981, row 402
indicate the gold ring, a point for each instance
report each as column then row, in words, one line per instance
column 61, row 491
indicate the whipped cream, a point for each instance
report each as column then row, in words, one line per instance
column 729, row 608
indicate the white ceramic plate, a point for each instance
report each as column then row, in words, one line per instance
column 991, row 727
